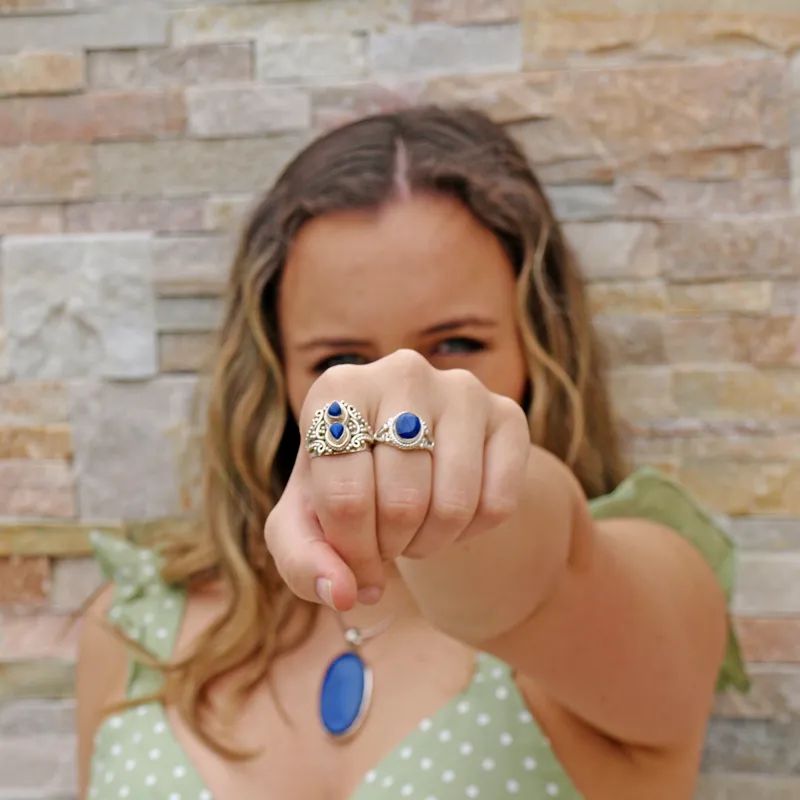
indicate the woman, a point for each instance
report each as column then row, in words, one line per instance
column 401, row 589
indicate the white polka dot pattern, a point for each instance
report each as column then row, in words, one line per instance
column 484, row 744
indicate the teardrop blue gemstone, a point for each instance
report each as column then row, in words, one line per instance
column 407, row 425
column 344, row 696
column 337, row 430
column 334, row 410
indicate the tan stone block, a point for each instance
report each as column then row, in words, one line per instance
column 465, row 12
column 717, row 249
column 185, row 352
column 701, row 340
column 30, row 404
column 168, row 215
column 745, row 297
column 45, row 678
column 642, row 392
column 769, row 640
column 625, row 113
column 37, row 443
column 731, row 393
column 41, row 73
column 24, row 581
column 734, row 442
column 227, row 213
column 767, row 341
column 614, row 250
column 38, row 636
column 333, row 106
column 648, row 199
column 744, row 487
column 189, row 265
column 48, row 172
column 149, row 532
column 61, row 539
column 40, row 488
column 92, row 117
column 774, row 693
column 786, row 298
column 74, row 582
column 641, row 298
column 767, row 583
column 28, row 220
column 661, row 31
column 632, row 340
column 735, row 164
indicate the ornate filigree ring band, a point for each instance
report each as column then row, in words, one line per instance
column 338, row 428
column 406, row 431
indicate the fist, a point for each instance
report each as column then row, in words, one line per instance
column 342, row 517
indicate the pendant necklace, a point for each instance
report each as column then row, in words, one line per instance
column 346, row 691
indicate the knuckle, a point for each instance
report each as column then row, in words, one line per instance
column 345, row 503
column 403, row 507
column 408, row 363
column 498, row 508
column 512, row 411
column 454, row 511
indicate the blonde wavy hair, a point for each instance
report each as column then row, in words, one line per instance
column 251, row 438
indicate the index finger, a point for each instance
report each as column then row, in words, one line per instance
column 343, row 493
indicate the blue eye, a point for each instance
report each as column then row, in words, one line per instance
column 458, row 346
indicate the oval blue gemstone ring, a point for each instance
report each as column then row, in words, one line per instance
column 338, row 428
column 406, row 431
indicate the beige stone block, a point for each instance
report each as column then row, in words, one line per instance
column 743, row 297
column 467, row 12
column 614, row 251
column 188, row 314
column 337, row 105
column 315, row 58
column 40, row 488
column 38, row 636
column 625, row 113
column 768, row 583
column 701, row 340
column 717, row 249
column 227, row 213
column 52, row 441
column 48, row 172
column 630, row 340
column 47, row 678
column 770, row 641
column 60, row 539
column 742, row 392
column 288, row 19
column 768, row 341
column 41, row 73
column 192, row 264
column 174, row 66
column 30, row 220
column 640, row 298
column 74, row 582
column 32, row 404
column 642, row 392
column 185, row 352
column 174, row 215
column 744, row 487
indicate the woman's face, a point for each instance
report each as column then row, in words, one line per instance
column 420, row 274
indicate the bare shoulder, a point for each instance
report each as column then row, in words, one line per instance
column 100, row 676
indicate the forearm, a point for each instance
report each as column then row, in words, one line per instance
column 620, row 623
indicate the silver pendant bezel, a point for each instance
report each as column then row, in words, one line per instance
column 363, row 711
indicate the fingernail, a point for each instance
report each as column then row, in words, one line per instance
column 369, row 596
column 324, row 589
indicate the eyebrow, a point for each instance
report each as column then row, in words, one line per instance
column 441, row 327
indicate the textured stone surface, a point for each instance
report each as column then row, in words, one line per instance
column 130, row 471
column 50, row 765
column 68, row 540
column 286, row 19
column 44, row 679
column 79, row 305
column 336, row 105
column 775, row 694
column 766, row 533
column 187, row 315
column 461, row 12
column 185, row 352
column 170, row 216
column 99, row 116
column 22, row 220
column 437, row 49
column 642, row 392
column 190, row 167
column 35, row 717
column 768, row 583
column 73, row 583
column 770, row 640
column 41, row 73
column 315, row 57
column 614, row 250
column 188, row 264
column 47, row 172
column 747, row 297
column 30, row 404
column 219, row 112
column 36, row 442
column 122, row 25
column 183, row 66
column 582, row 203
column 643, row 297
column 634, row 340
column 24, row 581
column 744, row 787
column 42, row 488
column 227, row 213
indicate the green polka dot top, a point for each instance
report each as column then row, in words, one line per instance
column 482, row 744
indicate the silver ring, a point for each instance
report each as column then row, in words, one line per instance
column 406, row 431
column 338, row 428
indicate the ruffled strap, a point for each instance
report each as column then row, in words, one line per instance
column 144, row 607
column 649, row 494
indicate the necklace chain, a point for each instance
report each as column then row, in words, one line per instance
column 357, row 636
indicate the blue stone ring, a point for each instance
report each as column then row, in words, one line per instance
column 338, row 428
column 406, row 431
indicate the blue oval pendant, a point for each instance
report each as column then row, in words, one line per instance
column 345, row 694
